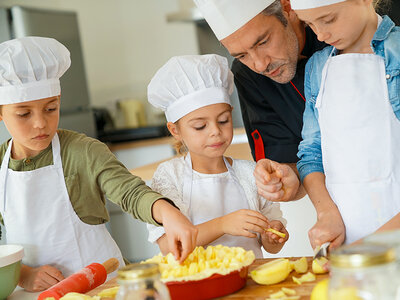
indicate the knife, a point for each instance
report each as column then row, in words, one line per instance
column 322, row 250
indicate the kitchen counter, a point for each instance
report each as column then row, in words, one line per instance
column 252, row 290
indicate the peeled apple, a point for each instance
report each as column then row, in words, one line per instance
column 318, row 265
column 272, row 272
column 320, row 290
column 300, row 265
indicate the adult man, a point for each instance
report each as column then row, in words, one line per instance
column 271, row 47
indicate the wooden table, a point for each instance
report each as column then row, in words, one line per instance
column 253, row 290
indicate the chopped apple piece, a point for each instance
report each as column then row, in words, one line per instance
column 305, row 278
column 296, row 280
column 300, row 265
column 288, row 291
column 278, row 233
column 109, row 293
column 271, row 272
column 285, row 298
column 277, row 295
column 318, row 265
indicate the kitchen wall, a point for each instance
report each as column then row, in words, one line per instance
column 124, row 42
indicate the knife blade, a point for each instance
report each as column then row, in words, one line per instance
column 321, row 250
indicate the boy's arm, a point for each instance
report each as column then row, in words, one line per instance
column 329, row 226
column 180, row 234
column 392, row 224
column 135, row 197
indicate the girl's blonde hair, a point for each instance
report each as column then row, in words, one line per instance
column 179, row 147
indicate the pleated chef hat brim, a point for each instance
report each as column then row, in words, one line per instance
column 307, row 4
column 30, row 68
column 189, row 82
column 226, row 16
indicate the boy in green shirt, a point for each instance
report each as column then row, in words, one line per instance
column 53, row 182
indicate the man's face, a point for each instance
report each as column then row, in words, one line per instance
column 266, row 46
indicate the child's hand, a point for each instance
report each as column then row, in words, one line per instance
column 39, row 279
column 276, row 182
column 244, row 222
column 273, row 243
column 180, row 232
column 273, row 238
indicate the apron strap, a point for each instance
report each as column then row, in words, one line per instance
column 3, row 177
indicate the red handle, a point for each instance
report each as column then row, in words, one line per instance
column 81, row 282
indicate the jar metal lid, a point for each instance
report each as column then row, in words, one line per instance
column 362, row 255
column 138, row 271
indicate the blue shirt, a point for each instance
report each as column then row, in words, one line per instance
column 385, row 43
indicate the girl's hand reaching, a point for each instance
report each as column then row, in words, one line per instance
column 272, row 242
column 244, row 222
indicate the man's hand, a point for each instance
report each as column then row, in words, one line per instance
column 276, row 182
column 39, row 279
column 180, row 232
column 244, row 222
column 329, row 228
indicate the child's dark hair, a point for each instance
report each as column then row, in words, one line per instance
column 382, row 7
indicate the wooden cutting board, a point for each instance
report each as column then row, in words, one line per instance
column 252, row 290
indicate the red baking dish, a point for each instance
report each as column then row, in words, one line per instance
column 216, row 285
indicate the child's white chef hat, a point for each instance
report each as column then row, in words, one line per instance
column 306, row 4
column 30, row 68
column 186, row 83
column 226, row 16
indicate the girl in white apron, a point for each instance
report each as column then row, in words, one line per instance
column 350, row 158
column 35, row 203
column 218, row 194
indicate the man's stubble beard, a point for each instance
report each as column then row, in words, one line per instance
column 289, row 66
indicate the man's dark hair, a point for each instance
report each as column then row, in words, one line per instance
column 382, row 7
column 275, row 9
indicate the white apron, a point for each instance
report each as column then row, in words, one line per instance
column 360, row 140
column 38, row 215
column 212, row 197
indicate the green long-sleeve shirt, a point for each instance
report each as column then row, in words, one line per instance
column 91, row 173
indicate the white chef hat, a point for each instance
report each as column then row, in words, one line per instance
column 189, row 82
column 30, row 68
column 306, row 4
column 226, row 16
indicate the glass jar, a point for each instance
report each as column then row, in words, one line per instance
column 389, row 238
column 363, row 271
column 141, row 282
